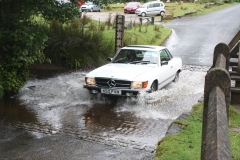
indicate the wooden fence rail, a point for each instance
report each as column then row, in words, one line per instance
column 215, row 138
column 234, row 47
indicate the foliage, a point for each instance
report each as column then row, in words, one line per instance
column 76, row 47
column 22, row 40
column 186, row 144
column 20, row 48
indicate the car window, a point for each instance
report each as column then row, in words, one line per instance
column 164, row 56
column 150, row 56
column 136, row 56
column 132, row 4
column 145, row 5
column 156, row 4
column 151, row 5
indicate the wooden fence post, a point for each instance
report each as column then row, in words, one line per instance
column 219, row 76
column 221, row 48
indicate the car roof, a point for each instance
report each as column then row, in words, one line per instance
column 154, row 2
column 144, row 47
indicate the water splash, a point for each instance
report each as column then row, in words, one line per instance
column 169, row 102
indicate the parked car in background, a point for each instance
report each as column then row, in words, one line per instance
column 63, row 1
column 133, row 69
column 131, row 7
column 151, row 8
column 90, row 7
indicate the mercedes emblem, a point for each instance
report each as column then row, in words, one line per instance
column 111, row 83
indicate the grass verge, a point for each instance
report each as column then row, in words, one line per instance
column 177, row 8
column 186, row 144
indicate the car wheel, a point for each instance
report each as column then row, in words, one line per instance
column 143, row 14
column 161, row 13
column 153, row 87
column 176, row 79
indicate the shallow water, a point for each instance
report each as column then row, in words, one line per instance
column 60, row 105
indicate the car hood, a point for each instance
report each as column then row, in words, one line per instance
column 130, row 7
column 87, row 5
column 121, row 71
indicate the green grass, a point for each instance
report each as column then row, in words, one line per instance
column 176, row 9
column 149, row 35
column 186, row 144
column 180, row 9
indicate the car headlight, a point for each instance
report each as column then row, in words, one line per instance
column 90, row 81
column 139, row 84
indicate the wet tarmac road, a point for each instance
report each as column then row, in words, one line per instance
column 18, row 144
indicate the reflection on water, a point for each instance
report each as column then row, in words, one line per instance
column 11, row 110
column 62, row 105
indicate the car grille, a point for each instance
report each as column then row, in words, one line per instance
column 103, row 82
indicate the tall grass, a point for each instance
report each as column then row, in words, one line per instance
column 78, row 44
column 86, row 44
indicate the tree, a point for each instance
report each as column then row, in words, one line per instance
column 23, row 37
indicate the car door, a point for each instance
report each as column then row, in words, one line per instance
column 171, row 63
column 156, row 8
column 166, row 68
column 150, row 9
column 94, row 7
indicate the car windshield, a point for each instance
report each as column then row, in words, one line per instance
column 132, row 4
column 136, row 56
column 88, row 3
column 145, row 5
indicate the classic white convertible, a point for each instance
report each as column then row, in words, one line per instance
column 133, row 69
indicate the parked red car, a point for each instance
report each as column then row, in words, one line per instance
column 131, row 7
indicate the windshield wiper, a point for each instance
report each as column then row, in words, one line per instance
column 147, row 62
column 134, row 62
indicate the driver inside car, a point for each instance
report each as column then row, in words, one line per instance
column 131, row 56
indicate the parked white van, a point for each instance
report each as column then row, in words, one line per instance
column 151, row 8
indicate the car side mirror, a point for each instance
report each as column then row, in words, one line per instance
column 109, row 59
column 164, row 63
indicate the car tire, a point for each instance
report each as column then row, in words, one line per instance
column 153, row 87
column 143, row 14
column 161, row 13
column 176, row 79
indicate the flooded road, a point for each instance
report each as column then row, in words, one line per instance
column 59, row 105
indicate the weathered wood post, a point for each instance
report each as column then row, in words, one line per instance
column 119, row 34
column 216, row 107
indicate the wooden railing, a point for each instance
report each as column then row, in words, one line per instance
column 215, row 138
column 218, row 94
column 234, row 46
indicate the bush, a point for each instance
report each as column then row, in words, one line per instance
column 77, row 45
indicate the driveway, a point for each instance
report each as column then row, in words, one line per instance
column 194, row 38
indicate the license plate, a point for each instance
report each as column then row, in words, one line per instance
column 111, row 91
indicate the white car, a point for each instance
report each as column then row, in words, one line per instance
column 90, row 7
column 133, row 69
column 63, row 1
column 151, row 8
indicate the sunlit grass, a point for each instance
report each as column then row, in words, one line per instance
column 147, row 36
column 176, row 9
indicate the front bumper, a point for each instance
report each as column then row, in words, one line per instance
column 124, row 92
column 86, row 9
